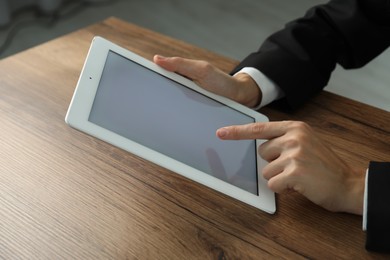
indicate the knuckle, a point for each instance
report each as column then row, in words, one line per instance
column 275, row 186
column 266, row 172
column 272, row 185
column 298, row 137
column 261, row 150
column 294, row 169
column 176, row 59
column 301, row 126
column 256, row 129
column 291, row 143
column 204, row 69
column 205, row 65
column 234, row 132
column 176, row 62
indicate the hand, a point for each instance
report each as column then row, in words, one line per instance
column 240, row 88
column 300, row 161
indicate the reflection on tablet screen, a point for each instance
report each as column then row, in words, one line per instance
column 176, row 121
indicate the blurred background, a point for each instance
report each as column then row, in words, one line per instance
column 228, row 27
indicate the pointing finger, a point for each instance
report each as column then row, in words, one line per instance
column 268, row 130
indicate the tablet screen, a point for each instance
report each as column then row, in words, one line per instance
column 161, row 114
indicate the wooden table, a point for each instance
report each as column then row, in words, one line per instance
column 64, row 194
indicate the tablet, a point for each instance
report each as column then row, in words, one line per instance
column 134, row 104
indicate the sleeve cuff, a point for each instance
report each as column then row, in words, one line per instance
column 378, row 210
column 365, row 203
column 270, row 91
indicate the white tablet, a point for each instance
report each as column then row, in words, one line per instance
column 132, row 103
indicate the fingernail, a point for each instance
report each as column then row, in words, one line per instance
column 160, row 57
column 222, row 132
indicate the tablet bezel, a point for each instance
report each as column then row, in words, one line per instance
column 83, row 98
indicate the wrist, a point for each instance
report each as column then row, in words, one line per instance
column 355, row 192
column 249, row 93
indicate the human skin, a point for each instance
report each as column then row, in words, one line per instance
column 297, row 158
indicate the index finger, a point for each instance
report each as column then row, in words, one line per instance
column 264, row 130
column 192, row 69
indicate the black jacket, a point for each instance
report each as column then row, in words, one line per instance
column 300, row 59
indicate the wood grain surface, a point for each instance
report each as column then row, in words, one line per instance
column 66, row 195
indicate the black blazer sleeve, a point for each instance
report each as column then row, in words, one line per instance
column 301, row 57
column 378, row 207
